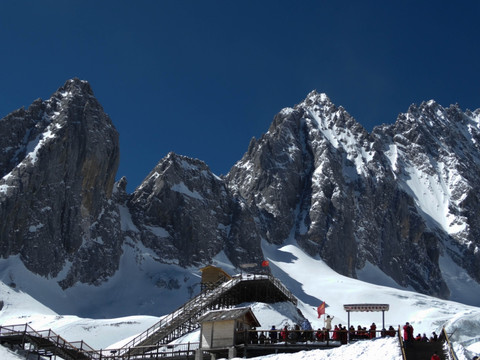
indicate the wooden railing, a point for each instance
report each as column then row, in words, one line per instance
column 449, row 345
column 184, row 351
column 196, row 307
column 400, row 340
column 149, row 340
column 296, row 336
column 54, row 340
column 192, row 308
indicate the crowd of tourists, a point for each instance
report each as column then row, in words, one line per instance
column 338, row 333
column 305, row 332
column 408, row 335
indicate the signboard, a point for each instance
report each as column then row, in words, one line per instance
column 246, row 266
column 366, row 307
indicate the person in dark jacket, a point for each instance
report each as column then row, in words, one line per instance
column 273, row 334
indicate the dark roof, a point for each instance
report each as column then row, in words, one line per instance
column 229, row 314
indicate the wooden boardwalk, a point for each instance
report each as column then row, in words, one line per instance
column 419, row 350
column 45, row 343
column 48, row 344
column 237, row 290
column 151, row 343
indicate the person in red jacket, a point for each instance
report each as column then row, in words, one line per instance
column 373, row 331
column 335, row 333
column 435, row 356
column 284, row 333
column 407, row 332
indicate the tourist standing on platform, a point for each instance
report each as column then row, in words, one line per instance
column 373, row 331
column 328, row 325
column 407, row 332
column 273, row 335
column 307, row 334
column 261, row 338
column 335, row 336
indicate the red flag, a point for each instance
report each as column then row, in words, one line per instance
column 265, row 263
column 321, row 309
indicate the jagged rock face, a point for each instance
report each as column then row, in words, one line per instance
column 298, row 174
column 58, row 163
column 352, row 197
column 434, row 154
column 401, row 198
column 186, row 214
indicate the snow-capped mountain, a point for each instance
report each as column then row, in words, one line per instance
column 399, row 203
column 58, row 161
column 186, row 214
column 403, row 198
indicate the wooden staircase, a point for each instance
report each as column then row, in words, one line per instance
column 242, row 288
column 421, row 350
column 184, row 319
column 45, row 343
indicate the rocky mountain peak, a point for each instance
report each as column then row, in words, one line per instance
column 319, row 108
column 435, row 129
column 76, row 86
column 319, row 175
column 61, row 165
column 174, row 169
column 316, row 98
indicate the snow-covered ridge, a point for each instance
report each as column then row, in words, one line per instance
column 320, row 175
column 433, row 180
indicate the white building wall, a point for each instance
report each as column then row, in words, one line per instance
column 217, row 334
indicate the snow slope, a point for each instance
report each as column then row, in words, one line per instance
column 294, row 268
column 149, row 291
column 427, row 314
column 21, row 308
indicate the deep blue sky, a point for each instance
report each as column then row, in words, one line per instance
column 201, row 78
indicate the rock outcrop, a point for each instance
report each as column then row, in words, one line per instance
column 58, row 163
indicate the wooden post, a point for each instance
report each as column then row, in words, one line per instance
column 348, row 327
column 383, row 319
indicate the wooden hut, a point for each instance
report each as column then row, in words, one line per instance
column 212, row 276
column 222, row 330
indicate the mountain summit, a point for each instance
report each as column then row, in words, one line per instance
column 58, row 163
column 402, row 199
